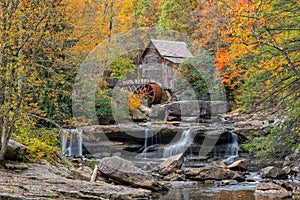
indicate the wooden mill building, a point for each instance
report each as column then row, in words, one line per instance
column 156, row 72
column 160, row 60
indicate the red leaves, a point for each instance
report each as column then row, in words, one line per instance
column 245, row 2
column 225, row 64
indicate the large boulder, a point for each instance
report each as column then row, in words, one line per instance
column 13, row 150
column 125, row 172
column 290, row 159
column 139, row 115
column 292, row 164
column 273, row 172
column 239, row 165
column 292, row 187
column 191, row 172
column 213, row 171
column 189, row 108
column 174, row 177
column 295, row 169
column 271, row 190
column 171, row 164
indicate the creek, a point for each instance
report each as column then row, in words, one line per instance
column 203, row 191
column 151, row 143
column 207, row 192
column 200, row 190
column 179, row 146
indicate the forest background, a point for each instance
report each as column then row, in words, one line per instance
column 255, row 45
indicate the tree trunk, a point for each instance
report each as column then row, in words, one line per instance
column 2, row 154
column 3, row 146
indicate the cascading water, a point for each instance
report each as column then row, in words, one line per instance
column 144, row 153
column 232, row 150
column 151, row 141
column 180, row 146
column 71, row 144
column 233, row 147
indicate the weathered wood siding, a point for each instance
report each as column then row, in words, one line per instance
column 169, row 75
column 157, row 68
column 151, row 67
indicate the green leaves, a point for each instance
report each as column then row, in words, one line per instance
column 200, row 73
column 275, row 143
column 34, row 71
column 40, row 143
column 121, row 66
column 175, row 15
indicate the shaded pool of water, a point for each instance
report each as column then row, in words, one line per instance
column 210, row 192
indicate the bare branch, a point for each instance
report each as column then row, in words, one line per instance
column 46, row 119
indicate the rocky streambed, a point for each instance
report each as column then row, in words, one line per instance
column 117, row 178
column 225, row 172
column 45, row 181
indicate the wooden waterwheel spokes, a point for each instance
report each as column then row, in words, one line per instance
column 151, row 91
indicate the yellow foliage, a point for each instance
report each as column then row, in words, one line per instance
column 96, row 21
column 39, row 143
column 134, row 101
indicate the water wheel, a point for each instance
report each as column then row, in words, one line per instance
column 151, row 91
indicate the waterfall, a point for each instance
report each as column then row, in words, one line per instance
column 232, row 149
column 180, row 146
column 144, row 153
column 71, row 142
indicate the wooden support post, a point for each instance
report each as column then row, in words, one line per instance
column 94, row 175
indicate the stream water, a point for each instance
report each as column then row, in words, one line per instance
column 233, row 147
column 232, row 150
column 180, row 146
column 201, row 191
column 144, row 153
column 154, row 151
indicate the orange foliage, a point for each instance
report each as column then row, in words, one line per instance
column 149, row 15
column 134, row 101
column 230, row 72
column 96, row 21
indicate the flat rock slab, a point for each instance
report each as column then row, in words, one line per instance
column 35, row 181
column 171, row 164
column 13, row 150
column 239, row 165
column 273, row 172
column 125, row 172
column 271, row 190
column 214, row 171
column 189, row 108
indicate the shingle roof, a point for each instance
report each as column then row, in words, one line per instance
column 171, row 49
column 175, row 60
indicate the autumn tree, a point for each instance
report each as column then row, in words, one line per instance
column 264, row 38
column 211, row 20
column 175, row 15
column 147, row 13
column 261, row 63
column 33, row 65
column 97, row 21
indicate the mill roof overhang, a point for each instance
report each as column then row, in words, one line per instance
column 173, row 51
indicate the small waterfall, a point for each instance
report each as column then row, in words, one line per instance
column 233, row 147
column 144, row 153
column 180, row 146
column 232, row 150
column 71, row 142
